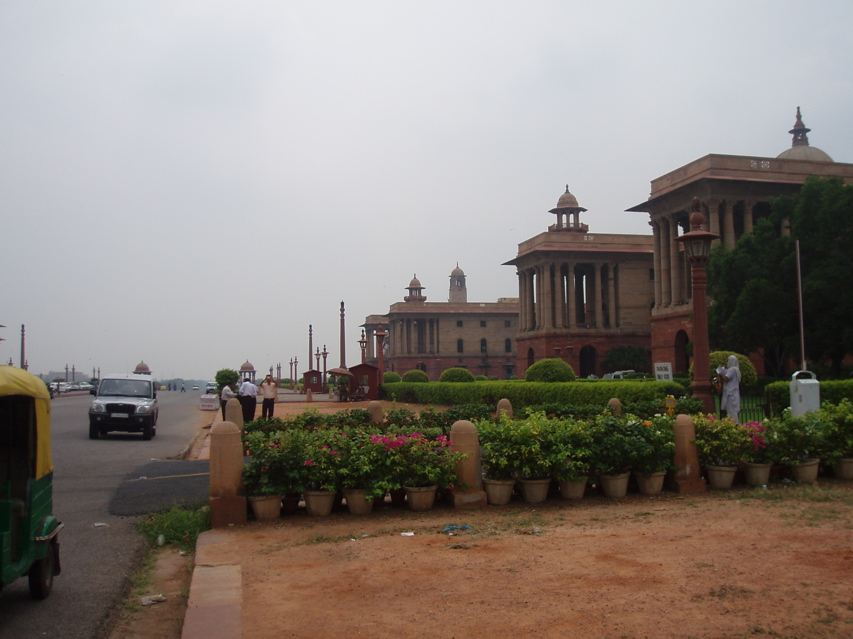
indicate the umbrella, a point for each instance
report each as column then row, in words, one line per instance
column 340, row 371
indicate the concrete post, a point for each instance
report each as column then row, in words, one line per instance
column 687, row 478
column 616, row 405
column 468, row 493
column 234, row 412
column 227, row 501
column 377, row 416
column 504, row 406
column 309, row 397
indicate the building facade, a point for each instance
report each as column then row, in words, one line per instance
column 735, row 191
column 581, row 293
column 435, row 336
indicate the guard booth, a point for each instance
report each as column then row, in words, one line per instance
column 364, row 384
column 313, row 381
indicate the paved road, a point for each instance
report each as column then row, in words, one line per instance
column 98, row 548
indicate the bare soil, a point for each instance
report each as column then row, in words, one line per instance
column 739, row 563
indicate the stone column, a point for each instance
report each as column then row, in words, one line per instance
column 468, row 492
column 227, row 498
column 657, row 263
column 572, row 304
column 611, row 289
column 674, row 263
column 540, row 290
column 748, row 205
column 562, row 314
column 687, row 478
column 665, row 264
column 521, row 302
column 548, row 296
column 728, row 226
column 531, row 299
column 599, row 296
column 713, row 217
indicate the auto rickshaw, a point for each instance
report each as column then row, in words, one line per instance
column 29, row 533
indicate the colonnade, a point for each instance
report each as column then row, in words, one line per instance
column 568, row 295
column 414, row 336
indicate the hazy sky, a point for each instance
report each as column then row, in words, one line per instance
column 193, row 183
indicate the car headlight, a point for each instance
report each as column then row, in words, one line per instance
column 98, row 408
column 144, row 408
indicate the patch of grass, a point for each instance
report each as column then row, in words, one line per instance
column 777, row 493
column 729, row 592
column 178, row 526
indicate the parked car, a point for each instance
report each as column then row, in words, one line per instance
column 211, row 388
column 126, row 403
column 195, row 387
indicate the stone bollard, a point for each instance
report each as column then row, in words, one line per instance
column 234, row 412
column 377, row 416
column 309, row 397
column 504, row 406
column 469, row 492
column 227, row 501
column 616, row 405
column 687, row 478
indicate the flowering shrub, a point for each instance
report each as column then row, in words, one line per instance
column 362, row 462
column 275, row 466
column 513, row 448
column 568, row 449
column 416, row 460
column 615, row 444
column 838, row 430
column 655, row 449
column 797, row 438
column 760, row 450
column 323, row 465
column 721, row 442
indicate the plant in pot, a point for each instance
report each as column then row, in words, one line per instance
column 760, row 455
column 498, row 458
column 837, row 423
column 321, row 471
column 722, row 444
column 265, row 475
column 568, row 449
column 361, row 469
column 613, row 451
column 654, row 451
column 425, row 465
column 800, row 442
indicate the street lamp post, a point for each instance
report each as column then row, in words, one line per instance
column 291, row 373
column 380, row 350
column 363, row 345
column 317, row 357
column 325, row 354
column 697, row 248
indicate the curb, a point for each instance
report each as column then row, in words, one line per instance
column 214, row 607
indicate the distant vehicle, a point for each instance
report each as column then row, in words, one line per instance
column 195, row 387
column 617, row 374
column 126, row 403
column 211, row 388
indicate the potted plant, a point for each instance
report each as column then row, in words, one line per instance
column 360, row 469
column 760, row 454
column 568, row 451
column 425, row 465
column 722, row 444
column 263, row 476
column 613, row 451
column 837, row 423
column 800, row 442
column 321, row 472
column 654, row 452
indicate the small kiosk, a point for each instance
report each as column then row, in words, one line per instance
column 313, row 381
column 364, row 384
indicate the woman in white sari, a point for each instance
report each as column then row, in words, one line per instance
column 730, row 402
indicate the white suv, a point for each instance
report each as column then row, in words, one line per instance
column 126, row 403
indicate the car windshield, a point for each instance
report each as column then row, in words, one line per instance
column 124, row 388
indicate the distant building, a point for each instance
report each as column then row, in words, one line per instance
column 735, row 192
column 581, row 293
column 434, row 336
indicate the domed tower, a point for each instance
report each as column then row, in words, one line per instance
column 458, row 289
column 800, row 149
column 568, row 206
column 142, row 369
column 415, row 291
column 248, row 371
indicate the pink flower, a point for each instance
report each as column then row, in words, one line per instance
column 309, row 462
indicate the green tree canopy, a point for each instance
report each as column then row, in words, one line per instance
column 622, row 358
column 415, row 376
column 456, row 374
column 226, row 376
column 550, row 370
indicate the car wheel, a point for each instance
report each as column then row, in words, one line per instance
column 94, row 431
column 147, row 432
column 41, row 574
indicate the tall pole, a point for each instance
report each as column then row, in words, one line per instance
column 310, row 344
column 343, row 339
column 800, row 303
column 23, row 347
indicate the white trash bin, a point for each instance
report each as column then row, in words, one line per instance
column 805, row 393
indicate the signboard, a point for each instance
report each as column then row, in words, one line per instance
column 209, row 402
column 663, row 371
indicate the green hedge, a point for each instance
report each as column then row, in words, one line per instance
column 522, row 394
column 832, row 391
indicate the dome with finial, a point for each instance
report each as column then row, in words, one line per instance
column 800, row 149
column 415, row 283
column 247, row 367
column 142, row 369
column 567, row 201
column 457, row 272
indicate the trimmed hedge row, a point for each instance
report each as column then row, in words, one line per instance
column 522, row 394
column 832, row 391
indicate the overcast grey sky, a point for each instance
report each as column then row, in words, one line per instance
column 194, row 183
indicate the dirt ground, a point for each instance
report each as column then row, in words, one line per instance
column 745, row 562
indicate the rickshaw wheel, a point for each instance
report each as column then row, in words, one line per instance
column 41, row 574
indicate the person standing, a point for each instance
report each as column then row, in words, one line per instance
column 226, row 394
column 730, row 400
column 269, row 392
column 248, row 396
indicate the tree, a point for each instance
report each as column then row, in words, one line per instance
column 415, row 376
column 623, row 358
column 456, row 374
column 754, row 294
column 550, row 370
column 226, row 376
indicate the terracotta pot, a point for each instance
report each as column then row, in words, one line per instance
column 572, row 489
column 843, row 468
column 651, row 485
column 534, row 491
column 266, row 507
column 806, row 472
column 756, row 474
column 318, row 503
column 357, row 503
column 498, row 491
column 615, row 486
column 721, row 477
column 420, row 497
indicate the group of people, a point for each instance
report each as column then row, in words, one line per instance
column 247, row 395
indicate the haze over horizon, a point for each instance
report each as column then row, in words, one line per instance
column 192, row 184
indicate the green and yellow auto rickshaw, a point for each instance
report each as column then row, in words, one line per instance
column 29, row 533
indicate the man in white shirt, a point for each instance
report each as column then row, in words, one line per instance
column 248, row 396
column 269, row 391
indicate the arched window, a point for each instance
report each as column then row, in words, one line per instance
column 483, row 348
column 508, row 345
column 459, row 348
